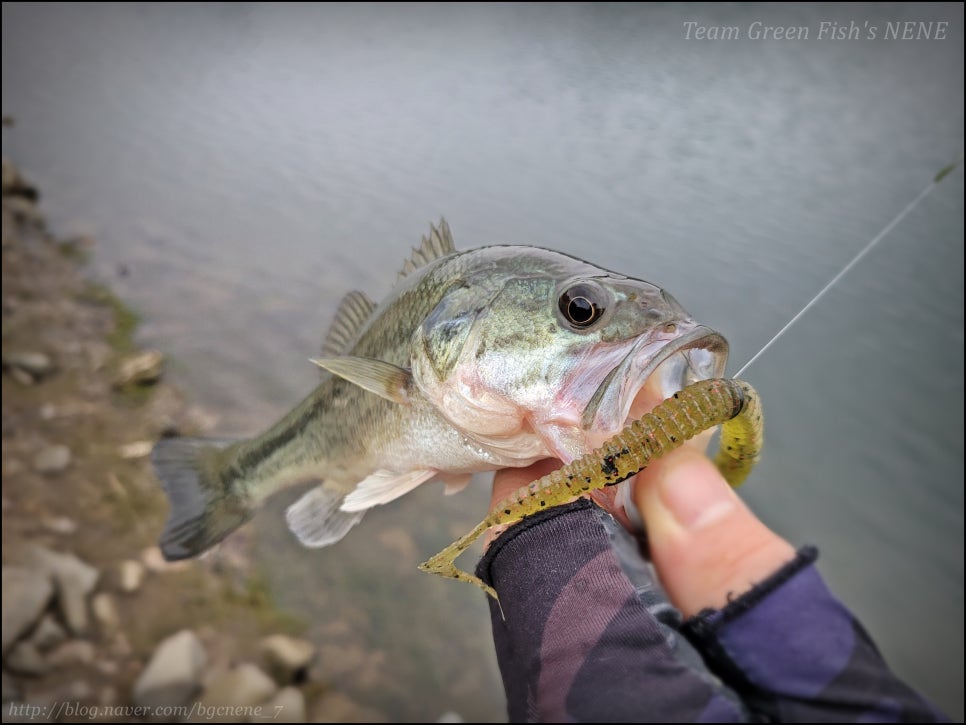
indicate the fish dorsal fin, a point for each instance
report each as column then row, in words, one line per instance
column 353, row 312
column 384, row 379
column 382, row 487
column 438, row 244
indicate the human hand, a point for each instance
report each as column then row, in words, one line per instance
column 706, row 544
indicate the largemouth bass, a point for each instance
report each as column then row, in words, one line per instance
column 477, row 360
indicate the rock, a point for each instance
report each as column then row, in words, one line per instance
column 120, row 646
column 107, row 667
column 12, row 467
column 13, row 182
column 61, row 525
column 10, row 692
column 25, row 659
column 143, row 368
column 336, row 707
column 105, row 612
column 24, row 211
column 450, row 716
column 154, row 561
column 75, row 694
column 21, row 377
column 47, row 634
column 138, row 449
column 130, row 574
column 74, row 578
column 285, row 657
column 25, row 596
column 98, row 354
column 244, row 685
column 76, row 246
column 287, row 706
column 10, row 173
column 173, row 676
column 36, row 364
column 73, row 652
column 52, row 459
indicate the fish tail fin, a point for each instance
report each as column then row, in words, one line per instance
column 204, row 507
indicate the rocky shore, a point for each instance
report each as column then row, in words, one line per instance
column 96, row 626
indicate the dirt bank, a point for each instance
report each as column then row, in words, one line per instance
column 87, row 600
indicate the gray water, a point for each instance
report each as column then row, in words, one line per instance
column 249, row 164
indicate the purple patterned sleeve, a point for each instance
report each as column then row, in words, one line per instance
column 796, row 654
column 583, row 634
column 576, row 643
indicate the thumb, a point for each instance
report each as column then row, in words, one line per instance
column 706, row 544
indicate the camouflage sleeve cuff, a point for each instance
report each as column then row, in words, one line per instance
column 484, row 568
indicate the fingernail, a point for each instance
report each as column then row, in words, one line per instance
column 693, row 492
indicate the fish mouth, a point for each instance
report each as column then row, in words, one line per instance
column 658, row 366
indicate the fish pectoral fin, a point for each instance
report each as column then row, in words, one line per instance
column 316, row 520
column 455, row 482
column 382, row 487
column 384, row 379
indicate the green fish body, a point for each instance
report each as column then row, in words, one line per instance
column 477, row 360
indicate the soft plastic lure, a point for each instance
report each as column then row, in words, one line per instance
column 733, row 404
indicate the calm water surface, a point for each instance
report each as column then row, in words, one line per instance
column 249, row 164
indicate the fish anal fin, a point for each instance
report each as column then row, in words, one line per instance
column 316, row 520
column 384, row 379
column 384, row 486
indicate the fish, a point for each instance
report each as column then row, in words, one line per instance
column 477, row 360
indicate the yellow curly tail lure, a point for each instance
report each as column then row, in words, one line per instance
column 733, row 404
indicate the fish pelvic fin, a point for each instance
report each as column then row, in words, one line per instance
column 316, row 520
column 204, row 508
column 382, row 487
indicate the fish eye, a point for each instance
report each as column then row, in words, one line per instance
column 582, row 305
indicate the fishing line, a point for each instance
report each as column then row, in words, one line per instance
column 868, row 247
